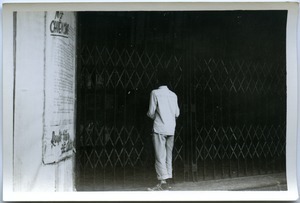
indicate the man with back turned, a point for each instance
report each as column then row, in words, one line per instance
column 164, row 110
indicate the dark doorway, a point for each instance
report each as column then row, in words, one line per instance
column 228, row 69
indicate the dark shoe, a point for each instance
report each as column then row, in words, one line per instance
column 159, row 187
column 170, row 183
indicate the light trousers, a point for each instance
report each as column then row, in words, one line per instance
column 163, row 147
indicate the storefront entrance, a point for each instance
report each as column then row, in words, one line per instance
column 228, row 70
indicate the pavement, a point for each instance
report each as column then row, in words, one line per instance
column 269, row 182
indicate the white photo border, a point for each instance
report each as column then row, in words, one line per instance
column 293, row 98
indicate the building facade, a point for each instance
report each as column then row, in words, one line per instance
column 82, row 86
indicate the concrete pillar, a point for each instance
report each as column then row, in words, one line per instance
column 31, row 63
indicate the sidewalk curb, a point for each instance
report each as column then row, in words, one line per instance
column 276, row 182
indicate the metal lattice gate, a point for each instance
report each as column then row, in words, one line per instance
column 232, row 119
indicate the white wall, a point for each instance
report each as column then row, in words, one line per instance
column 30, row 174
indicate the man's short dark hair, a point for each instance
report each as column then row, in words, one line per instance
column 163, row 77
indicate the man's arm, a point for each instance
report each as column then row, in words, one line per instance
column 152, row 106
column 177, row 113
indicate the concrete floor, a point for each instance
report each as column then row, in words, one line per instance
column 269, row 182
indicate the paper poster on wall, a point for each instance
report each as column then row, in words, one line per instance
column 59, row 86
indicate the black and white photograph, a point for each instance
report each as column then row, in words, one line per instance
column 150, row 101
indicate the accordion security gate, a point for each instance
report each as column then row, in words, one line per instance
column 232, row 120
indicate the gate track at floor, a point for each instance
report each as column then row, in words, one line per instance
column 269, row 182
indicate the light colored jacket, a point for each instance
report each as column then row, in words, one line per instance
column 163, row 109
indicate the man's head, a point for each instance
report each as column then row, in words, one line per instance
column 163, row 77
